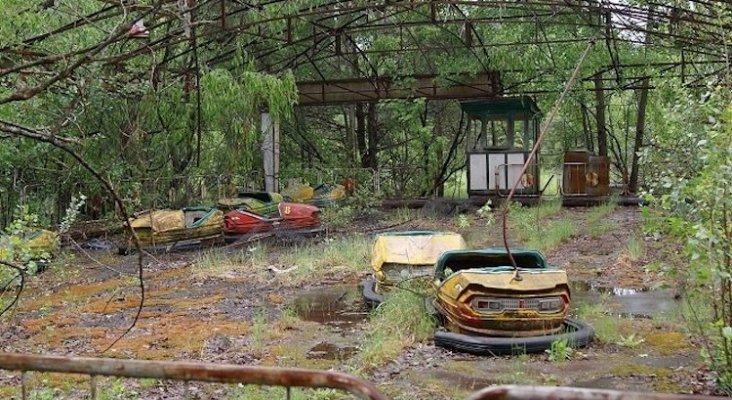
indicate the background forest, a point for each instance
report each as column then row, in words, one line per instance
column 177, row 108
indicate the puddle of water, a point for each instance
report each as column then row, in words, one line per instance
column 673, row 362
column 582, row 286
column 329, row 351
column 466, row 382
column 338, row 306
column 632, row 302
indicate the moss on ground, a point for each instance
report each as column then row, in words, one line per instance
column 667, row 342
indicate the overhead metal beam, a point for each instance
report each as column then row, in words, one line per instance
column 403, row 87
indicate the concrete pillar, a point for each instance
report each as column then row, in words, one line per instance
column 270, row 152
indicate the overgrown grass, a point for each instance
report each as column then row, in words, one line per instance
column 344, row 254
column 402, row 215
column 556, row 233
column 631, row 340
column 341, row 254
column 606, row 326
column 108, row 389
column 457, row 186
column 260, row 331
column 547, row 208
column 601, row 211
column 599, row 229
column 535, row 233
column 597, row 223
column 288, row 317
column 635, row 248
column 526, row 221
column 338, row 217
column 397, row 323
column 695, row 309
column 560, row 350
column 253, row 392
column 221, row 262
column 534, row 230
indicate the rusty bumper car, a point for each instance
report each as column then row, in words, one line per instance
column 401, row 256
column 489, row 308
column 289, row 219
column 180, row 229
column 323, row 195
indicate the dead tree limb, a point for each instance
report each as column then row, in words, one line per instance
column 64, row 146
column 535, row 150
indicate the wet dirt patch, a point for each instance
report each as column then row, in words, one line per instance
column 633, row 383
column 644, row 374
column 336, row 306
column 166, row 337
column 466, row 382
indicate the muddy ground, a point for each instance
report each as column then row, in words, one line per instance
column 246, row 306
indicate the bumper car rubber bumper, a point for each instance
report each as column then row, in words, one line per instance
column 577, row 333
column 372, row 298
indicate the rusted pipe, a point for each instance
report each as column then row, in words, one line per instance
column 192, row 371
column 515, row 392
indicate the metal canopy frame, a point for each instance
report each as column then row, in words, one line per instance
column 327, row 41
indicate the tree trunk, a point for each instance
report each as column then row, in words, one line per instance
column 361, row 133
column 349, row 116
column 640, row 122
column 640, row 127
column 373, row 137
column 600, row 115
column 586, row 129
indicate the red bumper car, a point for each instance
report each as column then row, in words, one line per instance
column 290, row 219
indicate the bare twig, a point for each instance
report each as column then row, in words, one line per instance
column 89, row 256
column 21, row 273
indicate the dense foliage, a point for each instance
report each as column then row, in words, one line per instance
column 696, row 205
column 173, row 118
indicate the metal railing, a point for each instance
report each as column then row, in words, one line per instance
column 187, row 371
